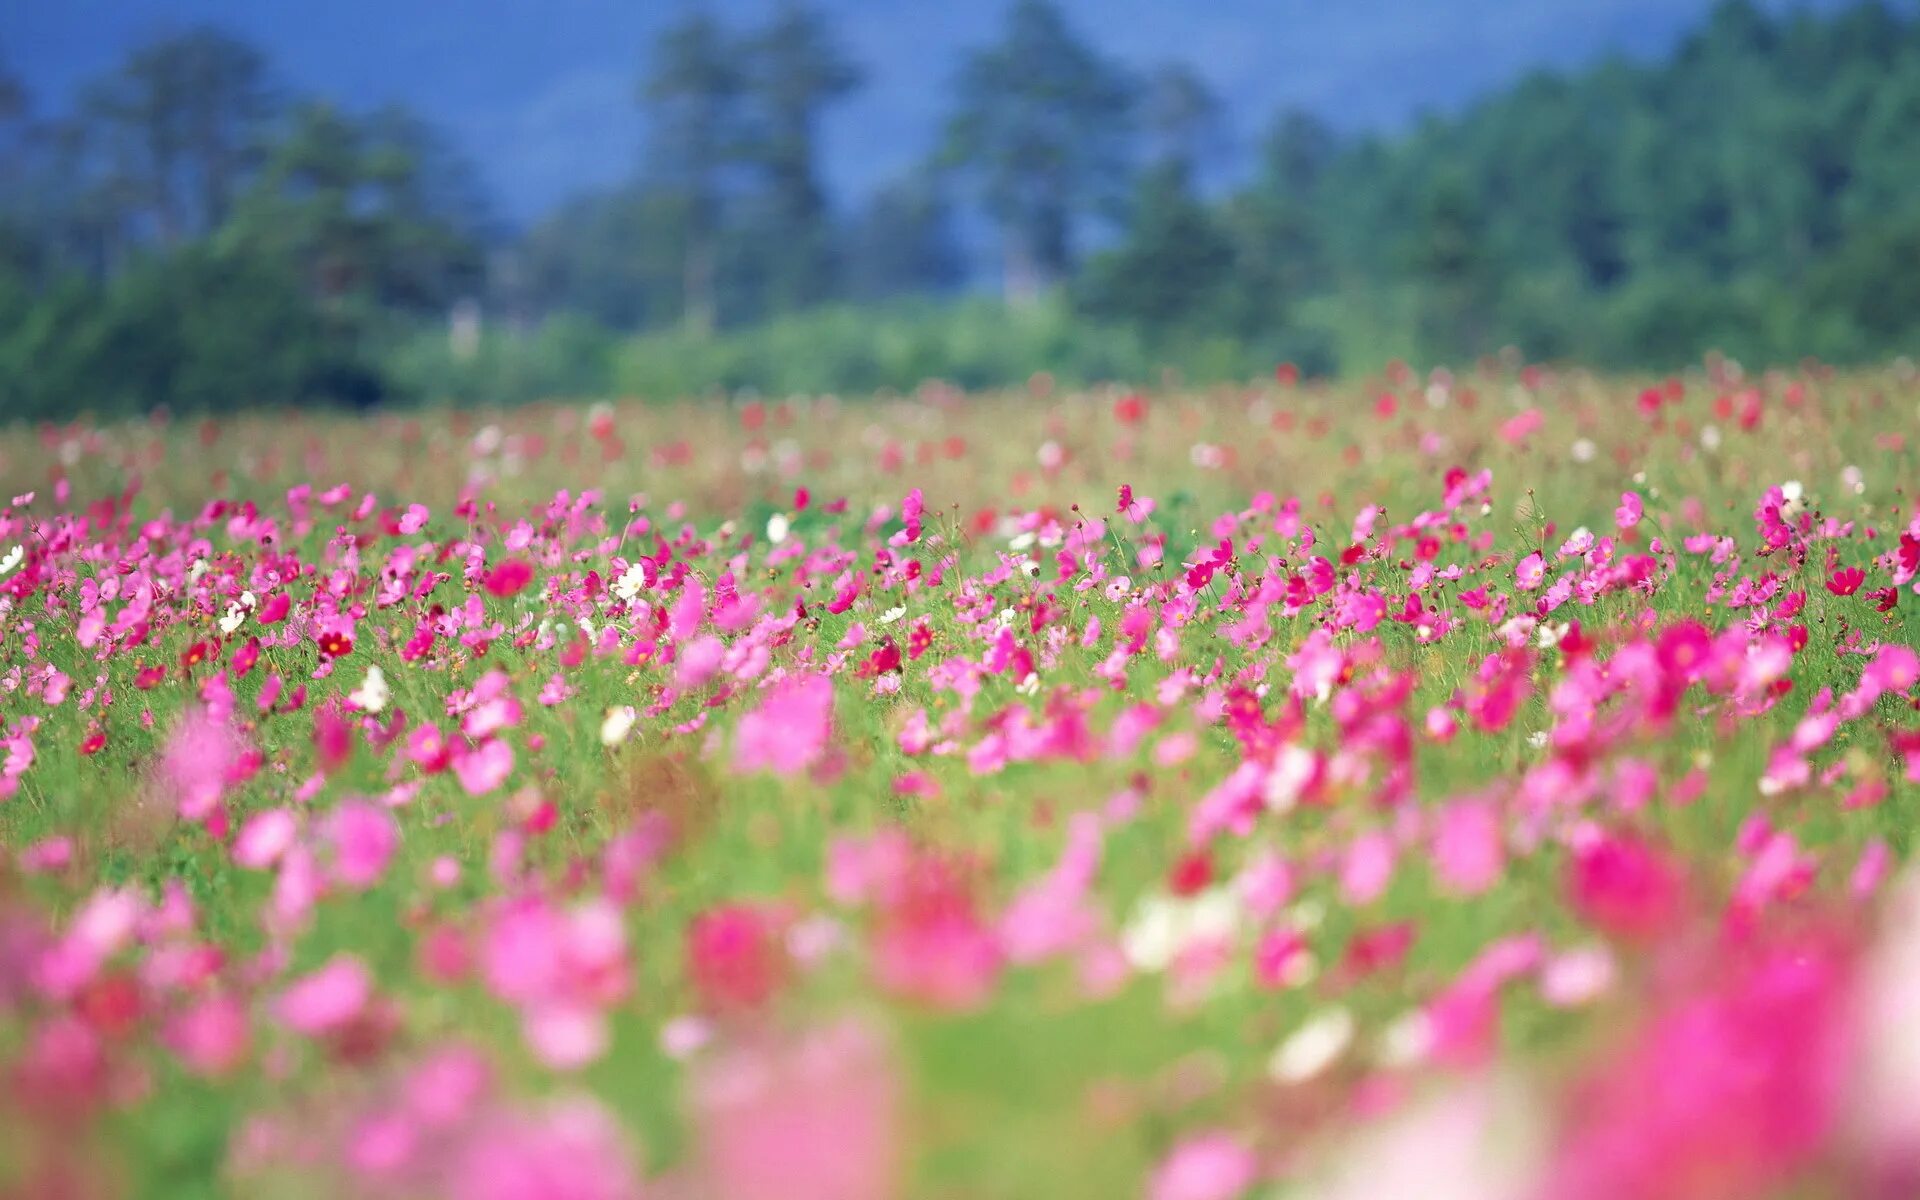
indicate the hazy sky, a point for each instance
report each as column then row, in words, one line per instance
column 540, row 92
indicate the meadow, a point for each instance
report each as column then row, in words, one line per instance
column 1492, row 784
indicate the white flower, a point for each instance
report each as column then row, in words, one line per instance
column 616, row 726
column 236, row 617
column 1407, row 1041
column 1710, row 438
column 1584, row 450
column 1030, row 686
column 779, row 525
column 372, row 694
column 1021, row 541
column 1293, row 769
column 631, row 583
column 198, row 569
column 1793, row 499
column 12, row 560
column 681, row 1037
column 1007, row 616
column 893, row 614
column 1313, row 1047
column 1162, row 926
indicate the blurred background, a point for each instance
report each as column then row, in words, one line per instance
column 214, row 204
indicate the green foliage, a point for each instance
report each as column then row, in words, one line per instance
column 197, row 330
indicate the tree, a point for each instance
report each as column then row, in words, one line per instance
column 692, row 93
column 904, row 243
column 609, row 255
column 1447, row 253
column 795, row 71
column 183, row 120
column 1184, row 121
column 375, row 210
column 1173, row 266
column 1041, row 126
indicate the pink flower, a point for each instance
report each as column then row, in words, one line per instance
column 196, row 761
column 364, row 837
column 1894, row 668
column 328, row 999
column 570, row 1151
column 1630, row 511
column 1467, row 852
column 1531, row 572
column 483, row 768
column 787, row 733
column 264, row 838
column 1207, row 1166
column 1625, row 887
column 510, row 578
column 734, row 958
column 414, row 519
column 809, row 1119
column 210, row 1037
column 932, row 947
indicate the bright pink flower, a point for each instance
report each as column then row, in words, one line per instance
column 510, row 578
column 1845, row 581
column 1624, row 886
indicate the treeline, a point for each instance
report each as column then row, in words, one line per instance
column 190, row 234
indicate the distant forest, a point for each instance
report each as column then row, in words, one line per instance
column 187, row 233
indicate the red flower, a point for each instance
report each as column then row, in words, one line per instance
column 1845, row 581
column 734, row 958
column 1884, row 599
column 1191, row 875
column 335, row 644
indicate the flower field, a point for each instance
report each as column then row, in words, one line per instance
column 1492, row 785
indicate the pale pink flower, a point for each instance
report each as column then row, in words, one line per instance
column 327, row 999
column 1207, row 1166
column 788, row 732
column 815, row 1118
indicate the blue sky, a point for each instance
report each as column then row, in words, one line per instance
column 540, row 92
